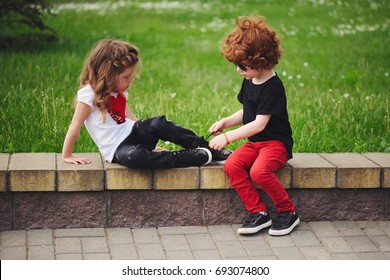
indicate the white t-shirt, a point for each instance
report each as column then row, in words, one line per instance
column 106, row 135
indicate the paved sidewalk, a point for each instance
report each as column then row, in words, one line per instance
column 313, row 240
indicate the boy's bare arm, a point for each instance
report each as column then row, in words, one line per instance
column 233, row 120
column 242, row 132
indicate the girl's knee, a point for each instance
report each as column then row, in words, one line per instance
column 133, row 157
column 158, row 121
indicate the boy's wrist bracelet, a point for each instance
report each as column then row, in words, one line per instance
column 227, row 140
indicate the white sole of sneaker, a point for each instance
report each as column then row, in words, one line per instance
column 209, row 153
column 221, row 162
column 284, row 231
column 255, row 229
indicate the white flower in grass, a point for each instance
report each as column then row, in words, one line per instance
column 387, row 74
column 299, row 76
column 284, row 73
column 368, row 97
column 346, row 95
column 172, row 95
column 301, row 84
column 290, row 77
column 306, row 64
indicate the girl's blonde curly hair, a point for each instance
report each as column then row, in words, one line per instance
column 107, row 59
column 252, row 43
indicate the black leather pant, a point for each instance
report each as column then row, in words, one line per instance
column 136, row 151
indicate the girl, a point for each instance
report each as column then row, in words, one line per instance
column 121, row 138
column 254, row 49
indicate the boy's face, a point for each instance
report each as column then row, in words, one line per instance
column 124, row 79
column 247, row 72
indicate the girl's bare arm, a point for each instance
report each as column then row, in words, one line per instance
column 81, row 113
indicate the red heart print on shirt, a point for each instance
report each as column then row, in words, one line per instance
column 118, row 108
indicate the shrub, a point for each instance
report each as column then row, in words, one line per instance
column 26, row 12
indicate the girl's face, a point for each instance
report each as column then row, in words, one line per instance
column 124, row 79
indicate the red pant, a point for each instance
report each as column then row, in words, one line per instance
column 257, row 162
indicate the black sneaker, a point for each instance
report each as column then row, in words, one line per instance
column 284, row 223
column 254, row 223
column 192, row 157
column 219, row 156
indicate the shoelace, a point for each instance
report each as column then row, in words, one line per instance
column 212, row 133
column 252, row 218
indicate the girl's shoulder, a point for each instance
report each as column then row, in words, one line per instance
column 87, row 89
column 86, row 95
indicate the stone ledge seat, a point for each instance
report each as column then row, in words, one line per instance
column 313, row 180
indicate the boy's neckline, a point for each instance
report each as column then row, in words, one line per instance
column 264, row 77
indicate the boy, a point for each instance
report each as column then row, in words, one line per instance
column 254, row 49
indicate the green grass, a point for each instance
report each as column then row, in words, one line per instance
column 336, row 70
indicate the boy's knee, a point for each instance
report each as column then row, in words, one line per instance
column 231, row 166
column 262, row 174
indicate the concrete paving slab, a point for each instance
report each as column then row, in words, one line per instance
column 42, row 252
column 177, row 178
column 81, row 177
column 310, row 170
column 288, row 253
column 39, row 237
column 123, row 252
column 313, row 241
column 179, row 255
column 383, row 160
column 119, row 236
column 149, row 251
column 231, row 249
column 119, row 177
column 145, row 235
column 175, row 242
column 324, row 229
column 213, row 177
column 354, row 170
column 32, row 172
column 4, row 159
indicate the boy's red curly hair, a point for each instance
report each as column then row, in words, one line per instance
column 252, row 43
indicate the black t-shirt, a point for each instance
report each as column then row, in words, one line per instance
column 267, row 98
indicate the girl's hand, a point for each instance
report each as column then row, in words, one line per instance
column 159, row 150
column 218, row 142
column 76, row 160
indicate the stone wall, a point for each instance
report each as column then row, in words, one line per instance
column 39, row 190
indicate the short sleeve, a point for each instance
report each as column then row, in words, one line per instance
column 241, row 92
column 86, row 95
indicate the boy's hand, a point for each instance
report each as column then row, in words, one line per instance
column 218, row 142
column 76, row 160
column 216, row 128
